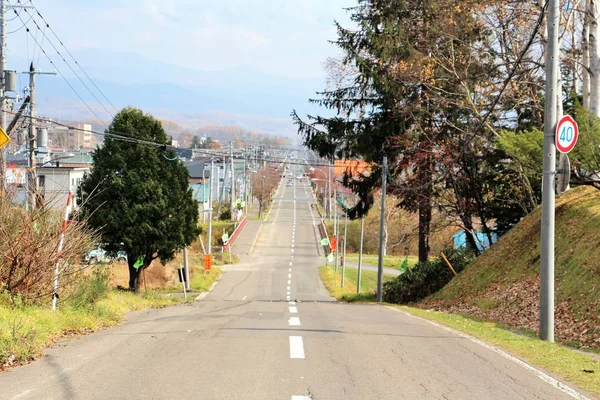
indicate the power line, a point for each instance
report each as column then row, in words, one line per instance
column 73, row 58
column 61, row 74
column 116, row 136
column 69, row 65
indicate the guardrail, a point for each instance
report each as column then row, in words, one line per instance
column 235, row 234
column 324, row 235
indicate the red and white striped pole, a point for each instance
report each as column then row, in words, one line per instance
column 60, row 248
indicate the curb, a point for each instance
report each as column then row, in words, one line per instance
column 255, row 240
column 202, row 295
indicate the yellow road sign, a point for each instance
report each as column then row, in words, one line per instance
column 4, row 139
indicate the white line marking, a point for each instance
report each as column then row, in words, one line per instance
column 294, row 321
column 294, row 310
column 292, row 250
column 290, row 270
column 244, row 298
column 290, row 263
column 288, row 288
column 292, row 303
column 289, row 276
column 292, row 245
column 296, row 347
column 289, row 281
column 543, row 376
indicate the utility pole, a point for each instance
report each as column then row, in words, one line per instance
column 360, row 252
column 329, row 189
column 2, row 111
column 232, row 179
column 32, row 175
column 210, row 206
column 381, row 229
column 549, row 172
column 32, row 182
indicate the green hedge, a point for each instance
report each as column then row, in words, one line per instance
column 425, row 278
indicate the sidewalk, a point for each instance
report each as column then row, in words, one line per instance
column 371, row 267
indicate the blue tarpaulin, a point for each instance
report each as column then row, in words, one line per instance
column 483, row 243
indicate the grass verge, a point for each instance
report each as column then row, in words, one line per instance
column 202, row 281
column 25, row 331
column 576, row 367
column 388, row 261
column 368, row 284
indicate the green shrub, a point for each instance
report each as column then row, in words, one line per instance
column 425, row 279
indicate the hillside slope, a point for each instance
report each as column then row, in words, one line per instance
column 503, row 283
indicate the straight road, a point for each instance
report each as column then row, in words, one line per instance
column 270, row 330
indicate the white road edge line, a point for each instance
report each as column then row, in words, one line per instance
column 296, row 347
column 294, row 321
column 293, row 310
column 244, row 298
column 542, row 375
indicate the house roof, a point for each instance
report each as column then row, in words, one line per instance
column 196, row 170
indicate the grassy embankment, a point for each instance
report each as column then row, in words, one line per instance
column 502, row 285
column 26, row 329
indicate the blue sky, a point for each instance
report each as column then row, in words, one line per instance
column 283, row 37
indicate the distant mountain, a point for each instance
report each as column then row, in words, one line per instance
column 239, row 96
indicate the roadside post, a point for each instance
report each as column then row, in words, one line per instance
column 344, row 250
column 181, row 273
column 360, row 252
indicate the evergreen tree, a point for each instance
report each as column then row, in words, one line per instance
column 137, row 195
column 408, row 100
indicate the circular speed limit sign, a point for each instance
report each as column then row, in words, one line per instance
column 566, row 135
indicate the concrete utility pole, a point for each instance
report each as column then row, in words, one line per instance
column 549, row 172
column 32, row 182
column 329, row 189
column 32, row 174
column 2, row 111
column 232, row 179
column 360, row 252
column 210, row 206
column 381, row 229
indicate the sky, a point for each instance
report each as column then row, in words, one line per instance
column 283, row 37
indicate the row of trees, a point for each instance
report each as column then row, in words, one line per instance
column 452, row 93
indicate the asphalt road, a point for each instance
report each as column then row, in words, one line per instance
column 270, row 330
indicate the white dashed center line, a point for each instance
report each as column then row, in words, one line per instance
column 294, row 310
column 296, row 347
column 294, row 321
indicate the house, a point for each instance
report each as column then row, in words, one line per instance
column 55, row 183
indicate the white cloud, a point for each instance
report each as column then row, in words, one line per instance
column 284, row 36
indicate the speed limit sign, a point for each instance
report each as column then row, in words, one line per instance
column 566, row 135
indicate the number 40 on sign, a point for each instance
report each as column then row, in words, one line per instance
column 566, row 135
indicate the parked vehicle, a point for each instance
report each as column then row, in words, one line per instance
column 98, row 255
